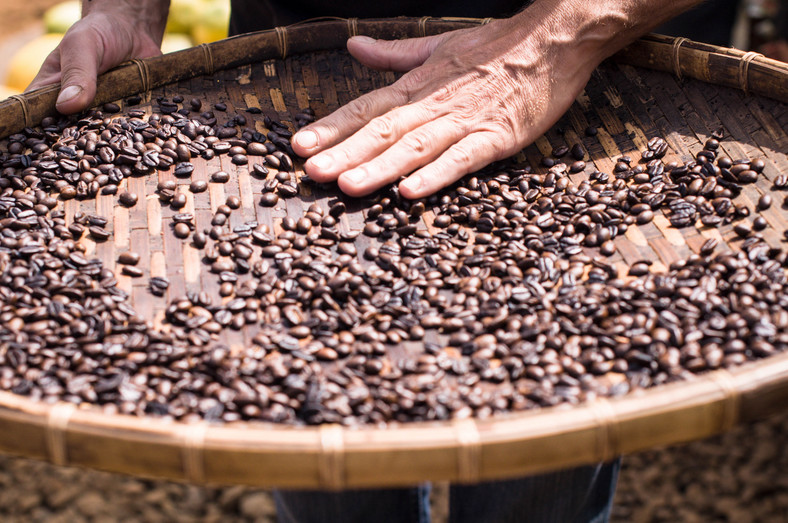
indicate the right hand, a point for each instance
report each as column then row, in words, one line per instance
column 110, row 32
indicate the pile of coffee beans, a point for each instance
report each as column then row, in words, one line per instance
column 493, row 295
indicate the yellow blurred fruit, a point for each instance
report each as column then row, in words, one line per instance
column 182, row 15
column 6, row 91
column 212, row 23
column 58, row 18
column 175, row 42
column 27, row 61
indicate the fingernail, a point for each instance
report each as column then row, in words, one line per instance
column 364, row 39
column 306, row 139
column 322, row 161
column 411, row 183
column 355, row 177
column 68, row 94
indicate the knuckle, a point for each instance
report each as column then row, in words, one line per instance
column 444, row 94
column 463, row 156
column 412, row 81
column 417, row 143
column 382, row 127
column 360, row 109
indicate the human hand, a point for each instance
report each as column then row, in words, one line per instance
column 110, row 32
column 470, row 97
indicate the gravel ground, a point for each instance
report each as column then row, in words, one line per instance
column 738, row 477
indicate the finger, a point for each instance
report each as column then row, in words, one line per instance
column 80, row 57
column 49, row 72
column 370, row 141
column 417, row 148
column 466, row 156
column 394, row 55
column 343, row 122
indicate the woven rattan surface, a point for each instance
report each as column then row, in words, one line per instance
column 627, row 104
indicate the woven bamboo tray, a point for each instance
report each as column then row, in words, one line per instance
column 659, row 86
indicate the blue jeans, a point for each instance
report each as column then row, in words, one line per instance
column 581, row 495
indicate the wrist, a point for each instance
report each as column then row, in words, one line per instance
column 593, row 31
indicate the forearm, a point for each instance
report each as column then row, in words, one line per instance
column 598, row 28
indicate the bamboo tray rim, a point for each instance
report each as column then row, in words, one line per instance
column 335, row 457
column 464, row 450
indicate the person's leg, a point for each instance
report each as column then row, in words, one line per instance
column 407, row 505
column 579, row 495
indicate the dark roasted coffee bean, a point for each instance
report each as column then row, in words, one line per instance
column 178, row 201
column 233, row 202
column 607, row 248
column 577, row 166
column 578, row 152
column 759, row 223
column 134, row 272
column 98, row 233
column 372, row 230
column 181, row 230
column 220, row 177
column 198, row 186
column 269, row 199
column 183, row 169
column 129, row 258
column 199, row 239
column 128, row 199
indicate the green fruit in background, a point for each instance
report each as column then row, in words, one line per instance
column 58, row 18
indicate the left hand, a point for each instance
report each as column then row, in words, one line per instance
column 471, row 97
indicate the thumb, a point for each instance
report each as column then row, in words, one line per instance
column 393, row 55
column 80, row 57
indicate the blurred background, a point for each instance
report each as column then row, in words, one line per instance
column 31, row 29
column 738, row 477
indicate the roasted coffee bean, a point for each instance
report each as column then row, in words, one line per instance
column 256, row 149
column 198, row 186
column 607, row 248
column 181, row 230
column 577, row 166
column 518, row 310
column 178, row 201
column 220, row 177
column 134, row 272
column 233, row 202
column 129, row 258
column 128, row 199
column 183, row 169
column 372, row 230
column 99, row 234
column 645, row 217
column 199, row 239
column 764, row 202
column 578, row 152
column 269, row 199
